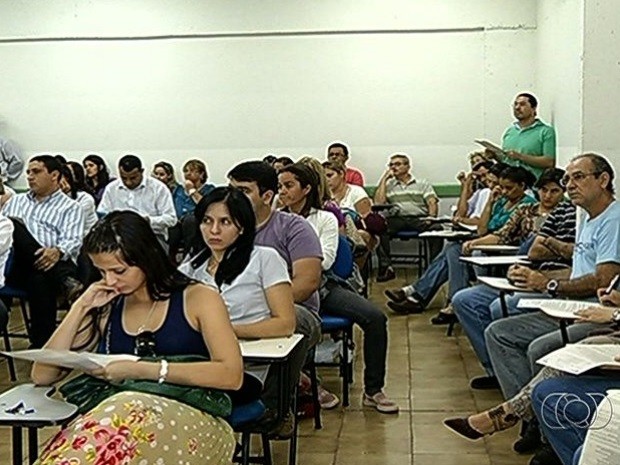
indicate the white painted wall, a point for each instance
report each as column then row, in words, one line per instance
column 424, row 77
column 559, row 53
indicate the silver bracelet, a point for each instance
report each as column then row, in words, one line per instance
column 163, row 371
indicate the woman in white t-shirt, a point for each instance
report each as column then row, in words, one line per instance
column 253, row 280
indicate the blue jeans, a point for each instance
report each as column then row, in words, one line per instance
column 445, row 267
column 514, row 344
column 565, row 407
column 343, row 302
column 476, row 308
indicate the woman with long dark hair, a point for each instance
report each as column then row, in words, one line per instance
column 73, row 184
column 97, row 176
column 298, row 192
column 143, row 305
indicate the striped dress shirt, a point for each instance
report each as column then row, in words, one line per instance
column 55, row 221
column 151, row 199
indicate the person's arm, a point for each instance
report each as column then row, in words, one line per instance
column 166, row 217
column 224, row 370
column 107, row 200
column 585, row 286
column 282, row 320
column 549, row 248
column 489, row 239
column 485, row 217
column 306, row 278
column 381, row 192
column 466, row 192
column 72, row 331
column 15, row 164
column 433, row 205
column 6, row 234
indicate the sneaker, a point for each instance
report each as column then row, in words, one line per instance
column 529, row 440
column 381, row 402
column 387, row 275
column 327, row 400
column 395, row 295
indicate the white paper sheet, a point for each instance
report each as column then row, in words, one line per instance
column 556, row 307
column 84, row 361
column 576, row 359
column 601, row 444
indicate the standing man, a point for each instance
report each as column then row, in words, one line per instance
column 47, row 236
column 529, row 142
column 412, row 199
column 144, row 195
column 340, row 152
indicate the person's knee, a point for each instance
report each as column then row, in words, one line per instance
column 460, row 299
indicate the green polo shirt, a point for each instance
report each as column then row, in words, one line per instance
column 537, row 139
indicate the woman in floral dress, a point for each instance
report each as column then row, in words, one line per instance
column 143, row 304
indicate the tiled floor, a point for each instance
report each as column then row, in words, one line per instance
column 427, row 374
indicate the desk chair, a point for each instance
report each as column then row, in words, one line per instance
column 419, row 257
column 243, row 420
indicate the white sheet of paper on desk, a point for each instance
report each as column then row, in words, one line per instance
column 502, row 284
column 468, row 227
column 84, row 361
column 576, row 359
column 601, row 444
column 556, row 307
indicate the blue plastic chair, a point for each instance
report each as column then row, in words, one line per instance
column 243, row 420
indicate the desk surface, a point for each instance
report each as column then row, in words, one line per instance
column 269, row 348
column 47, row 412
column 502, row 284
column 497, row 248
column 494, row 260
column 447, row 234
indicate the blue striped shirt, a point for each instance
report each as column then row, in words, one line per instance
column 55, row 221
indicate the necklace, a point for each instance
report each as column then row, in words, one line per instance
column 148, row 318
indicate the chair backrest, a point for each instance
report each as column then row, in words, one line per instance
column 343, row 264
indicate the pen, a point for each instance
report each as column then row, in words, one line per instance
column 612, row 285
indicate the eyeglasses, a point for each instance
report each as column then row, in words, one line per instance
column 577, row 177
column 145, row 344
column 395, row 163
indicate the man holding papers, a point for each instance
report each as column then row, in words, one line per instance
column 528, row 142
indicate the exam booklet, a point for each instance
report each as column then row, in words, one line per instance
column 576, row 359
column 557, row 308
column 84, row 361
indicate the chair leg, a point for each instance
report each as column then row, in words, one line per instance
column 266, row 450
column 25, row 316
column 10, row 362
column 314, row 386
column 292, row 446
column 344, row 366
column 450, row 328
column 245, row 448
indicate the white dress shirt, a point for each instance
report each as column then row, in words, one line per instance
column 151, row 199
column 6, row 241
column 55, row 221
column 87, row 202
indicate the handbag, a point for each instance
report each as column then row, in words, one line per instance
column 86, row 392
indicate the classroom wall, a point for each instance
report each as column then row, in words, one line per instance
column 559, row 54
column 230, row 80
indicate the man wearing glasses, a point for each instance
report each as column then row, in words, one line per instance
column 412, row 199
column 528, row 142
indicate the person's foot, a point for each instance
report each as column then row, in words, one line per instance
column 387, row 275
column 406, row 307
column 327, row 400
column 285, row 429
column 545, row 456
column 482, row 424
column 484, row 382
column 445, row 316
column 395, row 295
column 529, row 440
column 381, row 402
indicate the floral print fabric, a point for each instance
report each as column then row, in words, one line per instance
column 142, row 429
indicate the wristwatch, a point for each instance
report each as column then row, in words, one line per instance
column 615, row 316
column 552, row 287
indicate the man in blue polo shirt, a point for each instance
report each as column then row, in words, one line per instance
column 529, row 142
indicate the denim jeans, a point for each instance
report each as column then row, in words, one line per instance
column 476, row 308
column 445, row 267
column 343, row 302
column 514, row 344
column 565, row 407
